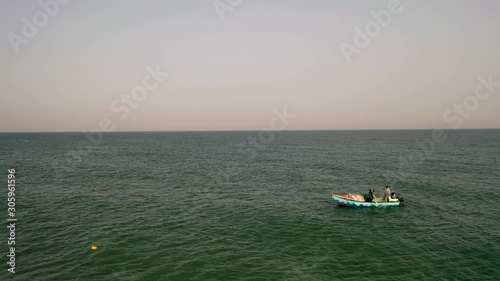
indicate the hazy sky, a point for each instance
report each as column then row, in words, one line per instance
column 229, row 72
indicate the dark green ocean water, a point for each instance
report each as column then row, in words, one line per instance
column 204, row 206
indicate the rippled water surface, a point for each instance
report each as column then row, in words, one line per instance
column 202, row 206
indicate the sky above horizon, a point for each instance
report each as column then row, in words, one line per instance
column 232, row 64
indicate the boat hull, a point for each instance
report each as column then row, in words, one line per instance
column 339, row 200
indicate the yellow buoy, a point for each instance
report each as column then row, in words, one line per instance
column 93, row 248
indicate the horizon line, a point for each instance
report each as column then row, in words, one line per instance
column 230, row 130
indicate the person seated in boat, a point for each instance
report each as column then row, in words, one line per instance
column 370, row 196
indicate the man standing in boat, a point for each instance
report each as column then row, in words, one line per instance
column 387, row 195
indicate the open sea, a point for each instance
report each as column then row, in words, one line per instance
column 233, row 206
